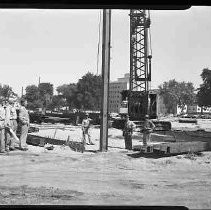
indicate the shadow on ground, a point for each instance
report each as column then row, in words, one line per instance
column 150, row 155
column 156, row 155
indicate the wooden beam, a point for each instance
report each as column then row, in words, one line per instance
column 105, row 77
column 175, row 148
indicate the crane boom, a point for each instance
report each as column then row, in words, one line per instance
column 140, row 70
column 140, row 100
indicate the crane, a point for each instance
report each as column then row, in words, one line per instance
column 138, row 100
column 140, row 71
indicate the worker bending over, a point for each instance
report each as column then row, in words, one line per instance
column 128, row 132
column 86, row 122
column 148, row 128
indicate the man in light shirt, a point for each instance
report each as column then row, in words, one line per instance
column 2, row 128
column 7, row 124
column 85, row 129
column 13, row 123
column 148, row 128
column 24, row 124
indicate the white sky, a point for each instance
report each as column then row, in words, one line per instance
column 60, row 46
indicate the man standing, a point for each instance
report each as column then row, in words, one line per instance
column 13, row 122
column 7, row 123
column 128, row 132
column 148, row 128
column 85, row 129
column 2, row 128
column 24, row 124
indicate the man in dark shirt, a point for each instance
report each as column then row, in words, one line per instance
column 148, row 128
column 128, row 132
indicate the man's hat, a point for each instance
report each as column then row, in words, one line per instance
column 146, row 116
column 87, row 114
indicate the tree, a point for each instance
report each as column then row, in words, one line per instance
column 89, row 91
column 32, row 93
column 57, row 102
column 32, row 97
column 6, row 91
column 68, row 92
column 204, row 91
column 45, row 89
column 45, row 93
column 177, row 93
column 86, row 94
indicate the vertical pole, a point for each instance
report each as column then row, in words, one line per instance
column 105, row 78
column 22, row 92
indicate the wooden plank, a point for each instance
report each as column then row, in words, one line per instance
column 39, row 140
column 187, row 120
column 197, row 135
column 75, row 145
column 176, row 147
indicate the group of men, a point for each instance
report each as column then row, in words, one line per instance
column 129, row 127
column 9, row 120
column 12, row 116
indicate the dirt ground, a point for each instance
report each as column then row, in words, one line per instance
column 116, row 177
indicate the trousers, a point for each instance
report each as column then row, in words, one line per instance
column 24, row 131
column 146, row 138
column 2, row 140
column 85, row 132
column 128, row 141
column 10, row 139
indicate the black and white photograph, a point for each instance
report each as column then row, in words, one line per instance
column 105, row 107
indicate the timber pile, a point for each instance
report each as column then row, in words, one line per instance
column 188, row 135
column 187, row 120
column 42, row 141
column 174, row 148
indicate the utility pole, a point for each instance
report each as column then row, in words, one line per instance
column 22, row 92
column 105, row 78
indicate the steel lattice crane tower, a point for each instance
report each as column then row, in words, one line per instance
column 140, row 64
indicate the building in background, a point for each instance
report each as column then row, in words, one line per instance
column 115, row 97
column 195, row 109
column 180, row 111
column 115, row 89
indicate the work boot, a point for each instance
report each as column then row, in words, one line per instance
column 23, row 148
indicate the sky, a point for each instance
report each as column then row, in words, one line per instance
column 60, row 46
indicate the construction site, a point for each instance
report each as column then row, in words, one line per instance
column 59, row 168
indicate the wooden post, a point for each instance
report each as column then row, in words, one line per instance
column 22, row 92
column 105, row 78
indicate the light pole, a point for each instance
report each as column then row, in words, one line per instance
column 105, row 78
